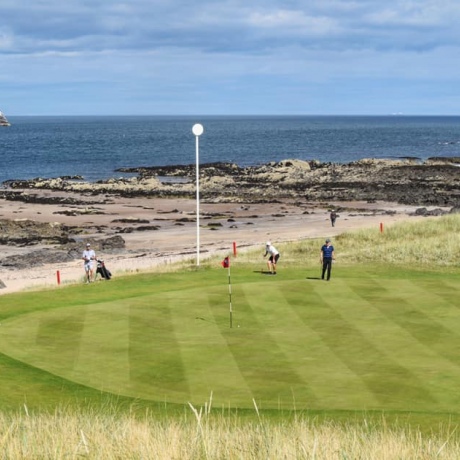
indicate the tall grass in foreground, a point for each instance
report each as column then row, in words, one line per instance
column 200, row 435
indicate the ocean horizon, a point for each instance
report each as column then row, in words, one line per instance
column 94, row 147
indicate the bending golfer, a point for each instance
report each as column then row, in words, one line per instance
column 326, row 257
column 273, row 259
column 89, row 256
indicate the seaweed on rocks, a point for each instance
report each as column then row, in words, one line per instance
column 402, row 181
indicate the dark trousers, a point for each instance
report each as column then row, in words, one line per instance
column 327, row 265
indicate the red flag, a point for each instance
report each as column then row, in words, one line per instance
column 226, row 262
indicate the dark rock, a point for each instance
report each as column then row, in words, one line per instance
column 421, row 212
column 455, row 160
column 144, row 228
column 37, row 199
column 426, row 212
column 113, row 242
column 36, row 258
column 131, row 220
column 24, row 232
column 437, row 212
column 407, row 181
column 126, row 230
column 18, row 183
column 80, row 212
column 206, row 169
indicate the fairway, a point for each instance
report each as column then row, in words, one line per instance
column 383, row 340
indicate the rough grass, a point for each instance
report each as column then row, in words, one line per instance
column 66, row 434
column 432, row 243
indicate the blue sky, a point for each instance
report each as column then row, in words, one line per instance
column 161, row 57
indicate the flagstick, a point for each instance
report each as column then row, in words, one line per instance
column 230, row 296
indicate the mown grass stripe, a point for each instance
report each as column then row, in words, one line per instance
column 448, row 288
column 266, row 367
column 392, row 384
column 321, row 364
column 411, row 306
column 103, row 357
column 155, row 361
column 385, row 307
column 201, row 336
column 423, row 362
column 65, row 346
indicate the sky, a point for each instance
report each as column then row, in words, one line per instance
column 234, row 57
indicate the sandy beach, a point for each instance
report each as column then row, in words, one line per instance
column 170, row 230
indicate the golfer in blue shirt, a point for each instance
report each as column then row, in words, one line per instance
column 326, row 258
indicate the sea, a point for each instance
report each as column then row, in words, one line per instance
column 95, row 147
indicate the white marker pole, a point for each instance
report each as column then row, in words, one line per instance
column 198, row 131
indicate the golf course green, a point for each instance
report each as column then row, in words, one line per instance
column 375, row 337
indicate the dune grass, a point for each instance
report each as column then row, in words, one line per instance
column 66, row 434
column 429, row 244
column 380, row 338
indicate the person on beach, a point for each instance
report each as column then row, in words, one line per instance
column 273, row 259
column 326, row 257
column 89, row 256
column 333, row 217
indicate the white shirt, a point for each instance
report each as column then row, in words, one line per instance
column 89, row 255
column 272, row 250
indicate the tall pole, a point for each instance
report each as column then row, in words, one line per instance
column 198, row 131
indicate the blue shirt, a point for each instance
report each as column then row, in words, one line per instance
column 327, row 251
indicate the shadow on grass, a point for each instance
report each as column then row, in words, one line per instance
column 262, row 272
column 206, row 320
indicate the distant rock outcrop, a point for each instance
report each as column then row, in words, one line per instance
column 27, row 232
column 62, row 245
column 406, row 181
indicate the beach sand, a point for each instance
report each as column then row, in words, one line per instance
column 221, row 226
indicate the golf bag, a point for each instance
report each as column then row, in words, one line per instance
column 102, row 270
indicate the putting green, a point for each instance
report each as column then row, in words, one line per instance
column 355, row 343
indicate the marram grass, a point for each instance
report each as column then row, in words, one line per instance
column 202, row 433
column 428, row 244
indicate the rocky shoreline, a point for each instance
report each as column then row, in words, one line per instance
column 434, row 182
column 295, row 184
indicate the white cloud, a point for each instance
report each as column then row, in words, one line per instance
column 416, row 13
column 289, row 22
column 145, row 51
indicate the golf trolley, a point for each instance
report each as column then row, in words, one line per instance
column 102, row 270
